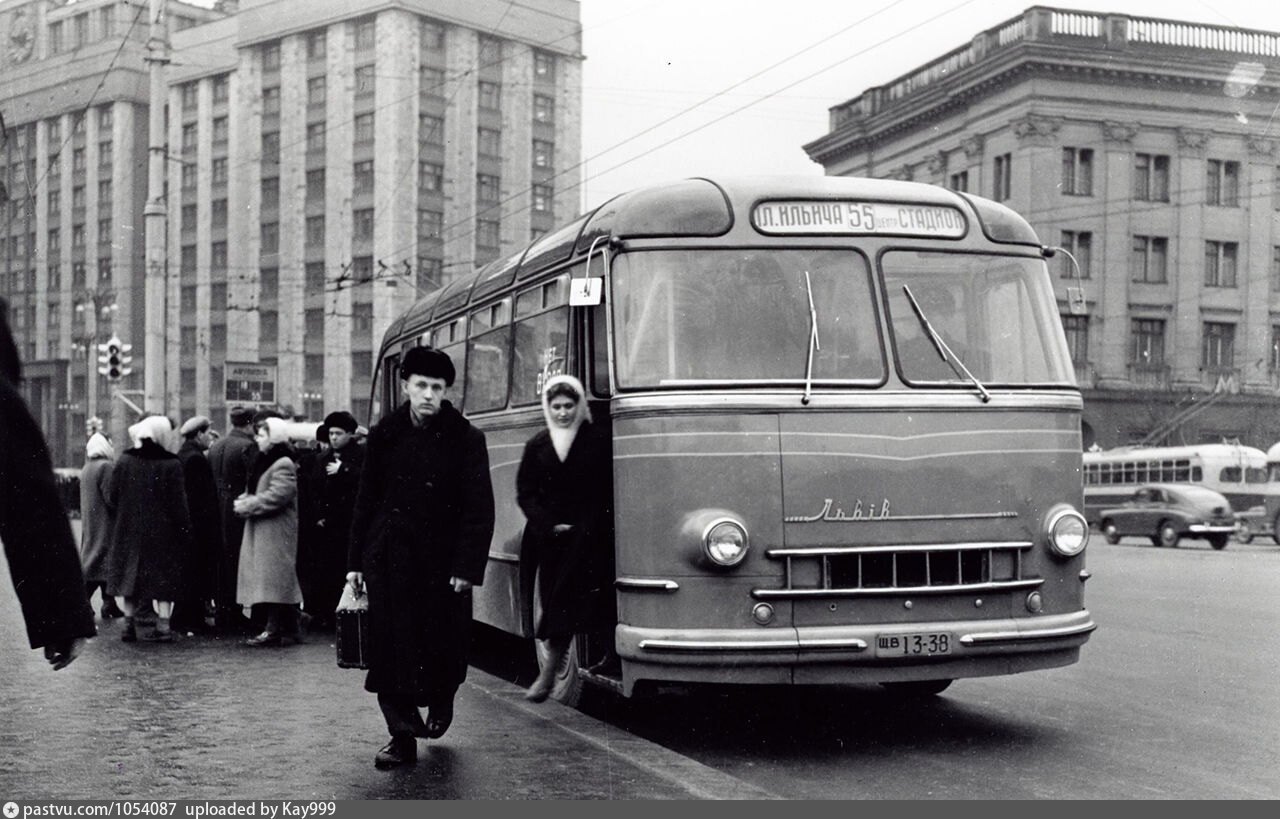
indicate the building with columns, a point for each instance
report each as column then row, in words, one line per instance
column 328, row 164
column 1146, row 149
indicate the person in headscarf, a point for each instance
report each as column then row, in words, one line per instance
column 38, row 541
column 268, row 575
column 563, row 487
column 95, row 520
column 151, row 533
column 420, row 537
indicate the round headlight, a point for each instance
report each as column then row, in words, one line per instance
column 1068, row 533
column 725, row 542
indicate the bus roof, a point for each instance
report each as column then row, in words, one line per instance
column 699, row 207
column 1217, row 451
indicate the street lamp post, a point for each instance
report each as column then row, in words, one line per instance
column 96, row 305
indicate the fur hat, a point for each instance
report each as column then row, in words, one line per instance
column 341, row 419
column 427, row 361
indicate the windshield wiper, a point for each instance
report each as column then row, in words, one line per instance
column 944, row 352
column 813, row 341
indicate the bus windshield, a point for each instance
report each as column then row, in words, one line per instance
column 996, row 314
column 744, row 315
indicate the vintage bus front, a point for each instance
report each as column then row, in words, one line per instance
column 846, row 440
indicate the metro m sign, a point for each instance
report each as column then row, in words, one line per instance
column 250, row 383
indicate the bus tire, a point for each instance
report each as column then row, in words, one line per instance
column 917, row 688
column 1218, row 542
column 1110, row 533
column 1167, row 535
column 1244, row 532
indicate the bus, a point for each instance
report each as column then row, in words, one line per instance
column 845, row 432
column 1239, row 473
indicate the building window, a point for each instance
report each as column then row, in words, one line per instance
column 1150, row 259
column 54, row 247
column 487, row 233
column 1003, row 173
column 489, row 142
column 542, row 196
column 315, row 185
column 432, row 36
column 543, row 153
column 55, row 134
column 362, row 224
column 364, row 78
column 1077, row 171
column 317, row 87
column 80, row 24
column 1222, row 183
column 269, row 283
column 104, row 118
column 55, row 37
column 217, row 171
column 1218, row 346
column 218, row 257
column 189, row 175
column 271, row 100
column 431, row 81
column 430, row 270
column 218, row 213
column 270, row 237
column 487, row 187
column 221, row 89
column 430, row 176
column 1151, row 177
column 544, row 108
column 271, row 57
column 271, row 147
column 220, row 129
column 1077, row 329
column 104, row 231
column 190, row 95
column 490, row 95
column 1275, row 270
column 362, row 177
column 315, row 275
column 316, row 45
column 544, row 66
column 364, row 128
column 315, row 136
column 430, row 129
column 188, row 259
column 55, row 203
column 1080, row 245
column 77, row 199
column 1148, row 342
column 77, row 159
column 430, row 224
column 104, row 192
column 315, row 232
column 270, row 187
column 959, row 182
column 1274, row 357
column 365, row 33
column 1220, row 264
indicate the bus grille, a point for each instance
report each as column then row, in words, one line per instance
column 872, row 571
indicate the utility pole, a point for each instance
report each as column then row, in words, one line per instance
column 155, row 215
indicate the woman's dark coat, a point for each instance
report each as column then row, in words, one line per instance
column 206, row 521
column 332, row 502
column 576, row 567
column 44, row 563
column 151, row 533
column 423, row 513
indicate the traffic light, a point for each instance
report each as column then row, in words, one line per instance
column 114, row 358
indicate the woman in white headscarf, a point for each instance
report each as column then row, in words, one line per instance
column 151, row 528
column 95, row 519
column 267, row 572
column 564, row 488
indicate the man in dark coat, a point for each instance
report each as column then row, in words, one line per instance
column 420, row 535
column 227, row 458
column 332, row 486
column 44, row 563
column 201, row 567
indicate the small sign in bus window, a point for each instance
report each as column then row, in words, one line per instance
column 800, row 217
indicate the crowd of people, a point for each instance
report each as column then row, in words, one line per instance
column 259, row 530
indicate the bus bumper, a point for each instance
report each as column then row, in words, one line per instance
column 849, row 654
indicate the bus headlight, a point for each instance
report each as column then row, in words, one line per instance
column 1068, row 532
column 725, row 542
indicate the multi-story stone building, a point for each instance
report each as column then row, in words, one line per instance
column 328, row 163
column 1148, row 150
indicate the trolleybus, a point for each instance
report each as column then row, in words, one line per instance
column 845, row 431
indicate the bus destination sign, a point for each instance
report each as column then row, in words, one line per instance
column 860, row 218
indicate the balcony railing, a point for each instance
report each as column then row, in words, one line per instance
column 1149, row 376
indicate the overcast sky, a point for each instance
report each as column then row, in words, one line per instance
column 677, row 88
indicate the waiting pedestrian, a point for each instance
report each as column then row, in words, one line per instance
column 334, row 481
column 151, row 528
column 268, row 575
column 564, row 488
column 95, row 520
column 420, row 537
column 196, row 603
column 34, row 530
column 230, row 472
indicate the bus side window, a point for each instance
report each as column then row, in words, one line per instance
column 489, row 356
column 541, row 338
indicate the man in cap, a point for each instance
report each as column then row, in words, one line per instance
column 227, row 457
column 334, row 479
column 420, row 538
column 200, row 568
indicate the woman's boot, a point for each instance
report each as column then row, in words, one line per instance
column 541, row 687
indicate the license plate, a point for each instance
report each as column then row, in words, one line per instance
column 925, row 644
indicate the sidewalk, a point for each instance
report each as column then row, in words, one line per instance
column 207, row 718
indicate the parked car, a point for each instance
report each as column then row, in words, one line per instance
column 1169, row 512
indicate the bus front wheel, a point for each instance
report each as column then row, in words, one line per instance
column 917, row 688
column 1167, row 535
